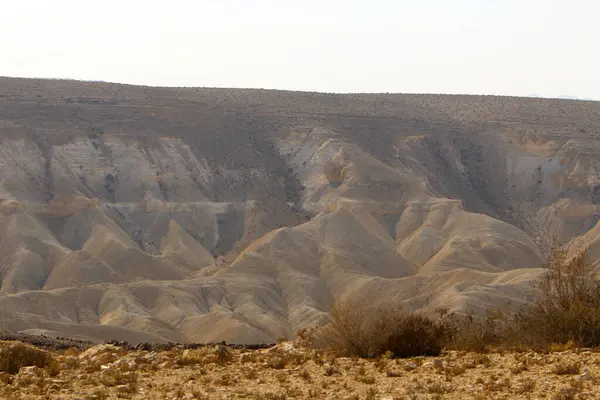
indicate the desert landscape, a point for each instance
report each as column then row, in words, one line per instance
column 196, row 243
column 195, row 215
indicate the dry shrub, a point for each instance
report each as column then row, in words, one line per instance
column 568, row 308
column 304, row 374
column 115, row 377
column 294, row 357
column 99, row 394
column 193, row 356
column 479, row 334
column 15, row 355
column 277, row 362
column 527, row 385
column 367, row 331
column 437, row 387
column 565, row 315
column 567, row 368
column 304, row 337
column 483, row 360
column 519, row 368
column 371, row 394
column 369, row 380
column 330, row 370
column 205, row 355
column 562, row 347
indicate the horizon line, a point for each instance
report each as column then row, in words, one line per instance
column 528, row 96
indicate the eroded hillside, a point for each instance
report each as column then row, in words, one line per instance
column 196, row 215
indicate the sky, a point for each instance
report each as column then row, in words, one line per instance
column 546, row 48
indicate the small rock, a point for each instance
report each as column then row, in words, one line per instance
column 122, row 389
column 100, row 349
column 411, row 365
column 352, row 397
column 33, row 370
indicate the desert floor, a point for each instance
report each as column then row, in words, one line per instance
column 287, row 372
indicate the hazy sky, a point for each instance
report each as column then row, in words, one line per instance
column 515, row 47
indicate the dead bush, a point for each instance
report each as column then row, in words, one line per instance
column 115, row 377
column 15, row 355
column 480, row 334
column 567, row 368
column 566, row 313
column 367, row 331
column 205, row 355
column 277, row 362
column 193, row 356
column 568, row 307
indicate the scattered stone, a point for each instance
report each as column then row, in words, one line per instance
column 122, row 389
column 32, row 370
column 411, row 365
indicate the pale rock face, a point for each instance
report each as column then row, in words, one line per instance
column 205, row 215
column 127, row 171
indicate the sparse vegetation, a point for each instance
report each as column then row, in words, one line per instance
column 115, row 377
column 453, row 374
column 15, row 355
column 367, row 331
column 566, row 315
column 567, row 310
column 277, row 362
column 567, row 368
